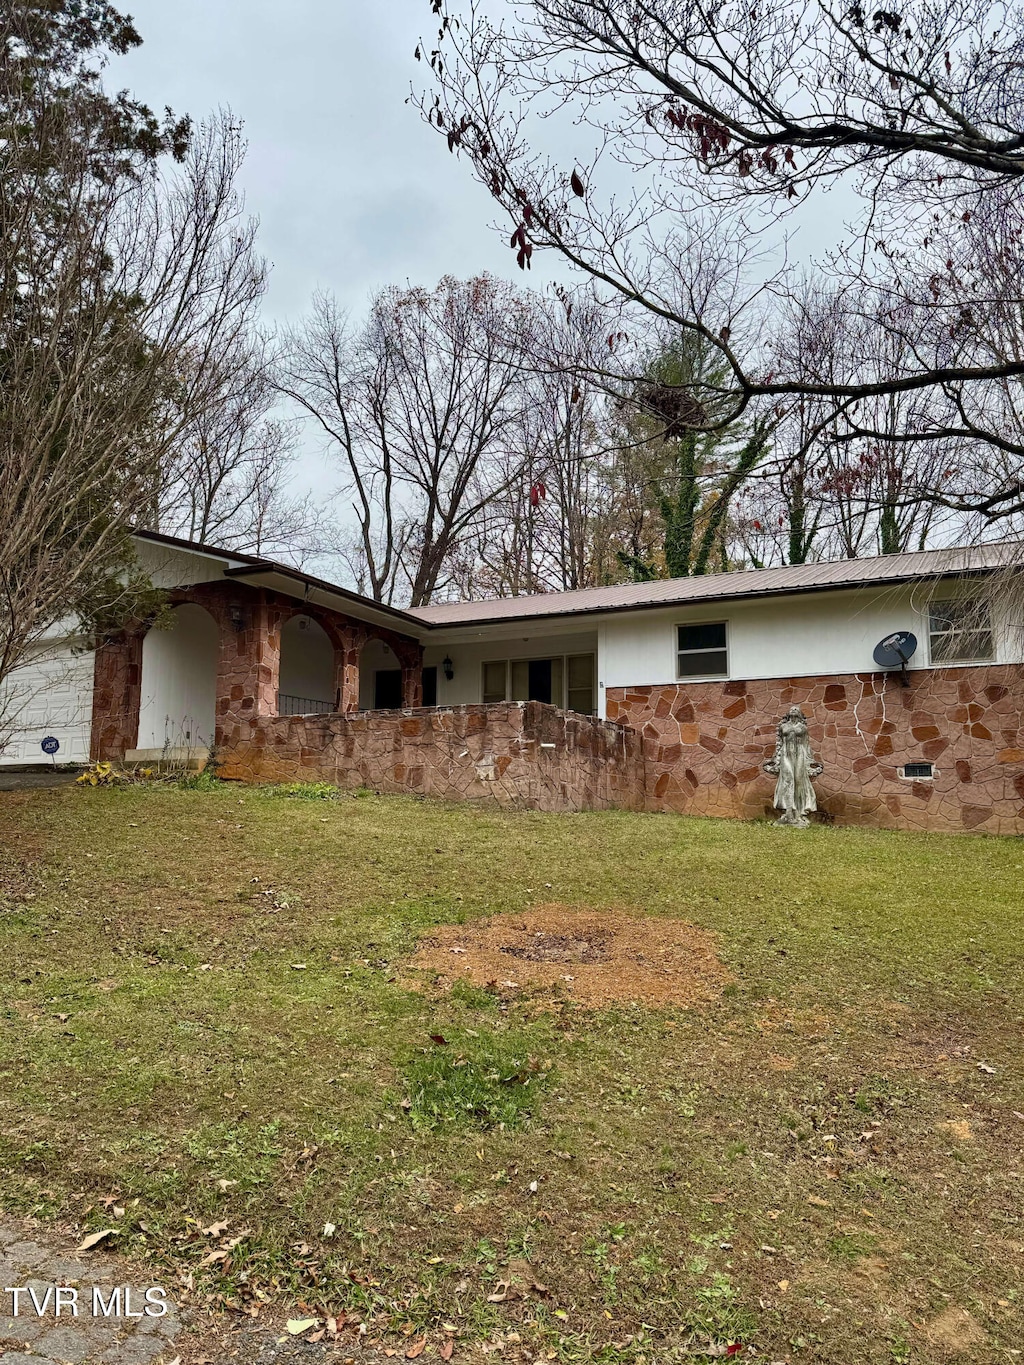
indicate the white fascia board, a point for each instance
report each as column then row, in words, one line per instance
column 527, row 628
column 345, row 606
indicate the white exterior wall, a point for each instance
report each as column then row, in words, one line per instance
column 307, row 660
column 179, row 681
column 799, row 636
column 51, row 695
column 375, row 655
column 172, row 568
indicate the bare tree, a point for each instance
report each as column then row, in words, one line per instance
column 975, row 434
column 843, row 485
column 552, row 528
column 117, row 277
column 730, row 119
column 226, row 481
column 422, row 407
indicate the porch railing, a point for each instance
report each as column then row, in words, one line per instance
column 288, row 705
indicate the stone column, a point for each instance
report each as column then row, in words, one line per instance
column 248, row 665
column 117, row 696
column 410, row 655
column 348, row 644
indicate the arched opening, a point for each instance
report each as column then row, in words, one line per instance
column 380, row 678
column 306, row 682
column 179, row 682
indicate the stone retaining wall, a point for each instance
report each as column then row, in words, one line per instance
column 704, row 744
column 516, row 754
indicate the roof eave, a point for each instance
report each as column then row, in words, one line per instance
column 245, row 565
column 365, row 604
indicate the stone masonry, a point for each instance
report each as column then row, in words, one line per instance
column 696, row 748
column 249, row 622
column 516, row 754
column 704, row 744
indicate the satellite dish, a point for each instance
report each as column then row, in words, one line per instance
column 895, row 651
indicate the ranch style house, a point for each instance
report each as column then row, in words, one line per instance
column 660, row 696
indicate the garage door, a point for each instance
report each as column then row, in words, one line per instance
column 52, row 696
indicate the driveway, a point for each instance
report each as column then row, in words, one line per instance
column 15, row 780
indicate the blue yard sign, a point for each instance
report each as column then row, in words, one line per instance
column 50, row 745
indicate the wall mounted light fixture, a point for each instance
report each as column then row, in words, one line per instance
column 237, row 618
column 449, row 668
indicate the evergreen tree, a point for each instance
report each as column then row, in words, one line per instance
column 696, row 462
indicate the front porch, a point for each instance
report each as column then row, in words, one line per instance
column 234, row 658
column 279, row 690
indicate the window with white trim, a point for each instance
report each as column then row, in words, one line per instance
column 960, row 631
column 495, row 680
column 702, row 651
column 564, row 680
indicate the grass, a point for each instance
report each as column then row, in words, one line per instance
column 205, row 1021
column 489, row 1082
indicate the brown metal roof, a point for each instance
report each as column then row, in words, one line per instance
column 794, row 578
column 667, row 592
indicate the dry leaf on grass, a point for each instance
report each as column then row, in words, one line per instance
column 296, row 1326
column 95, row 1238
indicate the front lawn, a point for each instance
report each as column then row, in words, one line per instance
column 209, row 1025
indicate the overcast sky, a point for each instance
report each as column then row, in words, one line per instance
column 352, row 190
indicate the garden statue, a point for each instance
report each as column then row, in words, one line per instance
column 794, row 765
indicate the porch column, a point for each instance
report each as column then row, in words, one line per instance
column 347, row 648
column 248, row 666
column 116, row 696
column 410, row 655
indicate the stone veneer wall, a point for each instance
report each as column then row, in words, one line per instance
column 116, row 696
column 704, row 744
column 523, row 754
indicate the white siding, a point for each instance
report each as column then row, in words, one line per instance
column 51, row 695
column 169, row 567
column 814, row 633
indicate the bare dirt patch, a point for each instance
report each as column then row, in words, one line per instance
column 595, row 957
column 955, row 1333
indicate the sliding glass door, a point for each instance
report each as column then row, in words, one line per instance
column 564, row 680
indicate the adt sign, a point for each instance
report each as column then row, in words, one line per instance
column 50, row 745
